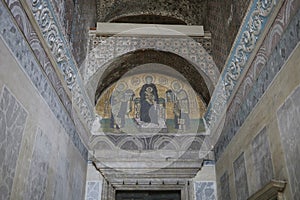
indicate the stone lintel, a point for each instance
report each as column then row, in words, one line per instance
column 127, row 29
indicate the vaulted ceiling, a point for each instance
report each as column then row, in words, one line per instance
column 192, row 12
column 222, row 18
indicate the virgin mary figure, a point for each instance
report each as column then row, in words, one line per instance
column 149, row 98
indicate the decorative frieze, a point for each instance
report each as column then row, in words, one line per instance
column 246, row 42
column 42, row 12
column 50, row 28
column 250, row 32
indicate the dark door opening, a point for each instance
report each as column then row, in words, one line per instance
column 147, row 195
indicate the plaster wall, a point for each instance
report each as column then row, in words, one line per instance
column 38, row 158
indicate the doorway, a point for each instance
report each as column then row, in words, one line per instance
column 148, row 195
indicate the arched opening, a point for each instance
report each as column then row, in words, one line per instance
column 129, row 61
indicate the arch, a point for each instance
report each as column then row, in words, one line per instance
column 104, row 51
column 165, row 142
column 131, row 143
column 125, row 63
column 189, row 142
column 100, row 142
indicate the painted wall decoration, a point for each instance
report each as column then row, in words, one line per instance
column 150, row 103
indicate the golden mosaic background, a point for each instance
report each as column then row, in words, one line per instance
column 163, row 83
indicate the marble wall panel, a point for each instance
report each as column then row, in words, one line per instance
column 77, row 182
column 240, row 178
column 225, row 188
column 93, row 190
column 61, row 175
column 205, row 190
column 288, row 116
column 38, row 173
column 262, row 159
column 12, row 123
column 101, row 52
